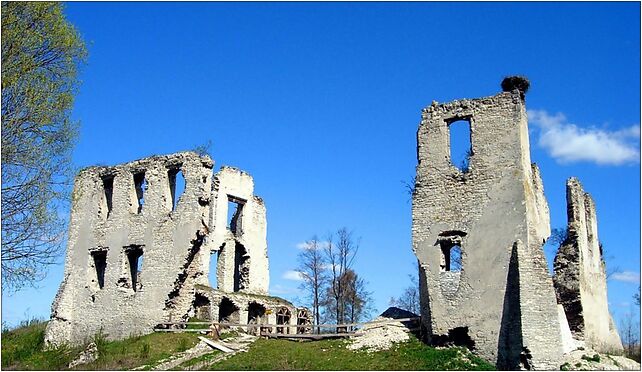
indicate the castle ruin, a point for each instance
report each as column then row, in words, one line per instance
column 478, row 232
column 139, row 254
column 580, row 275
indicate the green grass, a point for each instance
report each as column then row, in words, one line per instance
column 23, row 349
column 333, row 355
column 203, row 358
column 140, row 350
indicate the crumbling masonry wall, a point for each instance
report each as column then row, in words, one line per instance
column 241, row 247
column 139, row 254
column 580, row 275
column 110, row 231
column 501, row 303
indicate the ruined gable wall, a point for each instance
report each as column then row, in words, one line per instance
column 580, row 276
column 495, row 204
column 252, row 234
column 167, row 238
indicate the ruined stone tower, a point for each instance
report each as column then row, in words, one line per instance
column 478, row 235
column 580, row 275
column 139, row 254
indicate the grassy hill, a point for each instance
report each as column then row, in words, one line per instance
column 22, row 348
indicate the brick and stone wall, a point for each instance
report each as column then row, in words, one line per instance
column 495, row 211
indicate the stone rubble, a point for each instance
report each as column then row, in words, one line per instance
column 380, row 336
column 90, row 354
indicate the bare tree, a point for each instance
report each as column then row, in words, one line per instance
column 340, row 255
column 409, row 299
column 630, row 334
column 410, row 187
column 358, row 298
column 312, row 268
column 559, row 236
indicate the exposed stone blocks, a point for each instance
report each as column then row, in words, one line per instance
column 138, row 251
column 580, row 275
column 498, row 211
column 129, row 301
column 249, row 237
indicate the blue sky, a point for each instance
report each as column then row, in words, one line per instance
column 321, row 103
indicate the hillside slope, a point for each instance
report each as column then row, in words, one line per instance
column 22, row 349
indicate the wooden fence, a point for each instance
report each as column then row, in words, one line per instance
column 281, row 330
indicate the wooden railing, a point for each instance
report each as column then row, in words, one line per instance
column 279, row 329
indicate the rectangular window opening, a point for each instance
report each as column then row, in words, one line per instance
column 450, row 256
column 108, row 185
column 135, row 262
column 140, row 183
column 234, row 214
column 176, row 185
column 213, row 277
column 460, row 144
column 100, row 264
column 455, row 259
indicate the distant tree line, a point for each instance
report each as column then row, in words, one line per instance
column 336, row 293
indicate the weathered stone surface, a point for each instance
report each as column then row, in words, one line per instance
column 106, row 222
column 90, row 354
column 580, row 275
column 501, row 303
column 137, row 251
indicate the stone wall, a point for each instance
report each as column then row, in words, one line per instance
column 245, row 239
column 495, row 212
column 137, row 250
column 110, row 232
column 580, row 275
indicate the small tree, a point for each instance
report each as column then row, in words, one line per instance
column 41, row 53
column 409, row 299
column 339, row 256
column 358, row 298
column 630, row 334
column 312, row 268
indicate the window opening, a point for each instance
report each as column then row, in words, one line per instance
column 140, row 184
column 450, row 245
column 135, row 261
column 241, row 267
column 228, row 312
column 304, row 321
column 202, row 307
column 283, row 317
column 100, row 264
column 213, row 275
column 451, row 258
column 235, row 214
column 460, row 144
column 255, row 315
column 108, row 184
column 176, row 185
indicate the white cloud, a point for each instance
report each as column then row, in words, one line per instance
column 320, row 245
column 568, row 143
column 281, row 290
column 293, row 275
column 627, row 276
